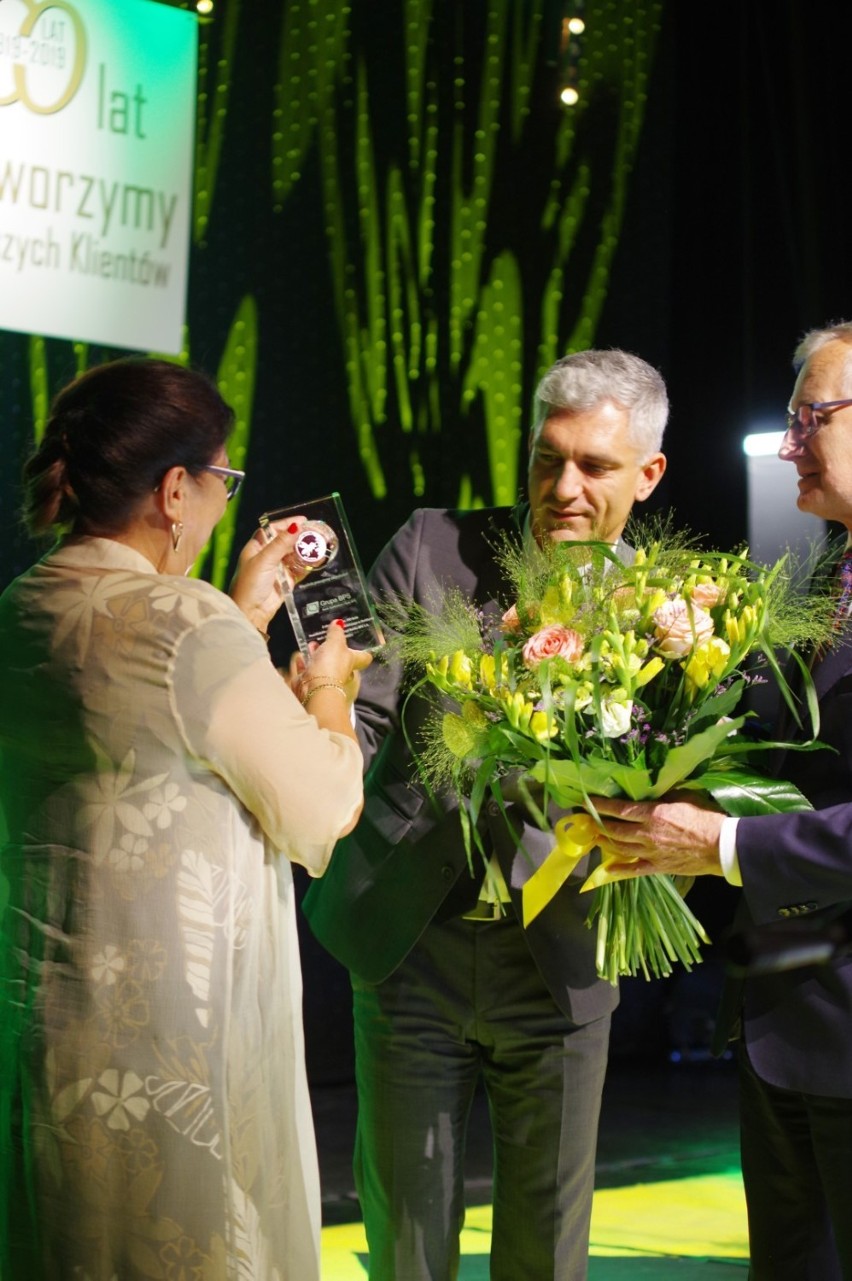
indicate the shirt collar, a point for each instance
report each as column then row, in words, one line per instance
column 87, row 552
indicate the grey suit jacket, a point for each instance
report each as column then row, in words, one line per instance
column 798, row 1023
column 405, row 864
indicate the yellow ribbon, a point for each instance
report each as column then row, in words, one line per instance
column 576, row 835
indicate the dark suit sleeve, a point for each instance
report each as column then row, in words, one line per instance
column 794, row 864
column 389, row 877
column 392, row 577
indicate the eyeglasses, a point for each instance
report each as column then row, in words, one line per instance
column 230, row 477
column 806, row 421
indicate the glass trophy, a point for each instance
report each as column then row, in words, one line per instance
column 326, row 580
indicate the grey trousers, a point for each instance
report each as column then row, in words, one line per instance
column 469, row 1003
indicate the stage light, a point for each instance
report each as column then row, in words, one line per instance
column 204, row 7
column 775, row 525
column 570, row 51
column 760, row 444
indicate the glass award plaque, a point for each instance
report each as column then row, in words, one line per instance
column 327, row 579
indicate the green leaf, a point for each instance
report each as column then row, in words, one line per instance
column 577, row 779
column 528, row 748
column 539, row 815
column 745, row 746
column 744, row 794
column 787, row 694
column 480, row 786
column 634, row 782
column 719, row 705
column 684, row 760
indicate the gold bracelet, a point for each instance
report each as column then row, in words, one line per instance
column 315, row 689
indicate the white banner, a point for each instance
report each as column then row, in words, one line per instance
column 97, row 126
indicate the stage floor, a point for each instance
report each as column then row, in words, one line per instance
column 668, row 1203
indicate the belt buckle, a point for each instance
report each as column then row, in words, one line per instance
column 485, row 911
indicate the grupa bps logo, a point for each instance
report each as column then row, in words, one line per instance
column 42, row 54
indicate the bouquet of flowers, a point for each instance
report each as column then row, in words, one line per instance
column 606, row 679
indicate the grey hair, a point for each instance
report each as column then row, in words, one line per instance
column 584, row 379
column 815, row 339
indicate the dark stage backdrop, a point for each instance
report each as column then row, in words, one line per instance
column 398, row 226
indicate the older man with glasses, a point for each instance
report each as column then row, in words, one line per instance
column 794, row 1022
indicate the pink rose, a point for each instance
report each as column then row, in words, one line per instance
column 510, row 621
column 679, row 627
column 555, row 641
column 706, row 595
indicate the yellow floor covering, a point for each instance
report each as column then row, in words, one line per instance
column 698, row 1218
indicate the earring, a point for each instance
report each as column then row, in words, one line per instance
column 177, row 533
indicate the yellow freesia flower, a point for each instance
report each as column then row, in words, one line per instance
column 583, row 696
column 551, row 606
column 438, row 667
column 649, row 671
column 566, row 595
column 489, row 674
column 707, row 662
column 542, row 727
column 461, row 668
column 518, row 709
column 654, row 600
column 741, row 628
column 749, row 620
column 625, row 667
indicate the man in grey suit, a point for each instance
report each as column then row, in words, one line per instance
column 795, row 1034
column 448, row 986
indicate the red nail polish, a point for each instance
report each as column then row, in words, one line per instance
column 338, row 622
column 293, row 529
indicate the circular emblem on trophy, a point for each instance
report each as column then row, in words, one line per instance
column 316, row 544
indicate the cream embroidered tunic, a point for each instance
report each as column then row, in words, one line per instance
column 156, row 775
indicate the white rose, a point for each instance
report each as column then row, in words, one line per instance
column 615, row 718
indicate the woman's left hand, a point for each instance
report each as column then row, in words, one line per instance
column 256, row 586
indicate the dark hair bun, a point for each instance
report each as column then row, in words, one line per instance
column 112, row 435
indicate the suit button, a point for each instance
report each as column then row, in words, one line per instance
column 447, row 872
column 493, row 808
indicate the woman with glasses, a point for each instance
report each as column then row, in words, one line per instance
column 157, row 776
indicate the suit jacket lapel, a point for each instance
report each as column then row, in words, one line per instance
column 825, row 668
column 834, row 664
column 493, row 588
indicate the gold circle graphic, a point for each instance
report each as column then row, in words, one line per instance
column 21, row 94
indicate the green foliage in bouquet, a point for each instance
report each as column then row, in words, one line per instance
column 606, row 679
